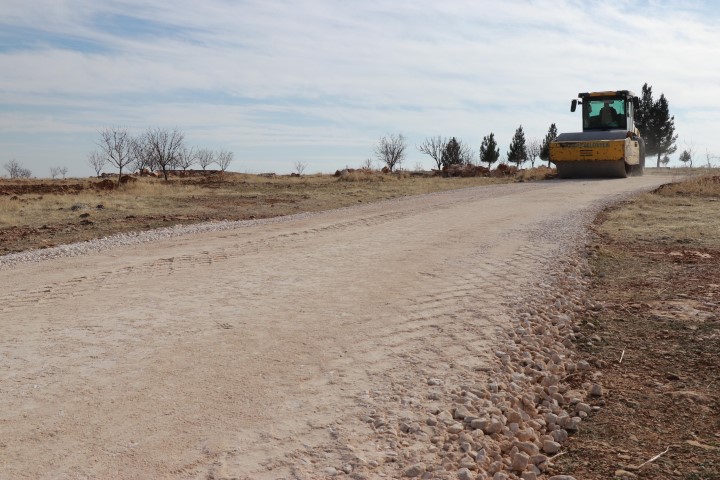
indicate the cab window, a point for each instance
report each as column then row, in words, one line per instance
column 604, row 114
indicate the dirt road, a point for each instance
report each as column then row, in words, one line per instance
column 255, row 353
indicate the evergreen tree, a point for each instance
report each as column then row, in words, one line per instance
column 642, row 114
column 545, row 150
column 517, row 152
column 452, row 154
column 685, row 157
column 489, row 150
column 664, row 126
column 655, row 124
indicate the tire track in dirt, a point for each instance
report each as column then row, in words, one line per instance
column 170, row 265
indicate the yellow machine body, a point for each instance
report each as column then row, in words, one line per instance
column 608, row 146
column 627, row 150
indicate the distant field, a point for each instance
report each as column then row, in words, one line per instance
column 40, row 213
column 44, row 213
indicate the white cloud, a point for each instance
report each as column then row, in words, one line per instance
column 259, row 75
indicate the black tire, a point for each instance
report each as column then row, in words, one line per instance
column 642, row 156
column 639, row 170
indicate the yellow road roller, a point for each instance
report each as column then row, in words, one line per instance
column 609, row 145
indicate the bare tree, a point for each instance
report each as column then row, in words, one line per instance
column 224, row 158
column 163, row 146
column 690, row 149
column 116, row 147
column 205, row 158
column 54, row 172
column 16, row 170
column 391, row 150
column 534, row 148
column 63, row 171
column 143, row 158
column 97, row 161
column 434, row 148
column 300, row 167
column 367, row 164
column 709, row 157
column 186, row 157
column 466, row 153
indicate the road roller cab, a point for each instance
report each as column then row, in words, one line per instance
column 609, row 144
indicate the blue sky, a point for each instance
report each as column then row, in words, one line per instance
column 320, row 81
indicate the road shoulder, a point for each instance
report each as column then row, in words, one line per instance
column 657, row 341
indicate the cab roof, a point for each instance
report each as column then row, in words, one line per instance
column 609, row 93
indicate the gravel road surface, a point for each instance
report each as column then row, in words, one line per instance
column 270, row 349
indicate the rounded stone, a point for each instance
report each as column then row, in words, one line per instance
column 528, row 447
column 519, row 461
column 560, row 435
column 465, row 474
column 414, row 470
column 551, row 447
column 493, row 426
column 455, row 428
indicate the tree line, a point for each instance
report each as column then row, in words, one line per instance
column 161, row 149
column 652, row 118
column 156, row 149
column 391, row 150
column 16, row 170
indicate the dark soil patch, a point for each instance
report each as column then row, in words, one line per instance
column 662, row 318
column 41, row 188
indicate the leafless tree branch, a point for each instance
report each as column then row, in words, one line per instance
column 534, row 147
column 97, row 161
column 205, row 158
column 116, row 147
column 224, row 158
column 391, row 150
column 163, row 146
column 300, row 167
column 434, row 148
column 186, row 157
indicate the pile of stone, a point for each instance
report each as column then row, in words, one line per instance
column 510, row 427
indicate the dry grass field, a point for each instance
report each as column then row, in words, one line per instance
column 40, row 213
column 44, row 213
